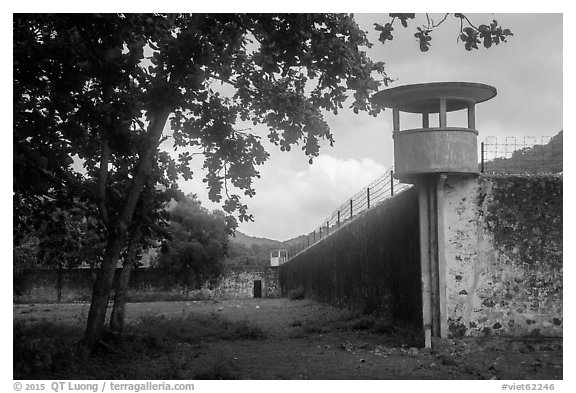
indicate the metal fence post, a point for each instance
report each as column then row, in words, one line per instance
column 368, row 196
column 482, row 157
column 532, row 163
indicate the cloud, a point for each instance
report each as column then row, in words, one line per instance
column 290, row 203
column 293, row 197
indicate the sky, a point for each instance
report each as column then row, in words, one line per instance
column 293, row 197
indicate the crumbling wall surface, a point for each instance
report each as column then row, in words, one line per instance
column 238, row 282
column 370, row 264
column 504, row 255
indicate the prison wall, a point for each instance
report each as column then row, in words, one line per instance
column 503, row 258
column 75, row 285
column 371, row 264
column 503, row 247
column 238, row 282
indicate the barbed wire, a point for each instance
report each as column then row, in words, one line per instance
column 521, row 155
column 525, row 155
column 375, row 193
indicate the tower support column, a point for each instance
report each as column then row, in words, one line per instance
column 432, row 259
column 426, row 157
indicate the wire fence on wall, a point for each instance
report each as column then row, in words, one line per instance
column 521, row 155
column 498, row 155
column 376, row 192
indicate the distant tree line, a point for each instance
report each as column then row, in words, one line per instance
column 193, row 244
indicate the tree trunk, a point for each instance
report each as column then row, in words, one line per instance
column 59, row 284
column 118, row 311
column 117, row 231
column 101, row 290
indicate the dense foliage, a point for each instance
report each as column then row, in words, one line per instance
column 197, row 247
column 61, row 239
column 536, row 159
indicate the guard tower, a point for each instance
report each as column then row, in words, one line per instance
column 426, row 157
column 441, row 149
column 278, row 257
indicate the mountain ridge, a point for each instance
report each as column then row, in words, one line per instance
column 248, row 241
column 255, row 251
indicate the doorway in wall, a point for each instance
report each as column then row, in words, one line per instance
column 257, row 288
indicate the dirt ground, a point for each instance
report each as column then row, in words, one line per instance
column 291, row 350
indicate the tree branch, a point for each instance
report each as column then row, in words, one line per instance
column 439, row 23
column 430, row 22
column 242, row 131
column 462, row 16
column 144, row 166
column 226, row 180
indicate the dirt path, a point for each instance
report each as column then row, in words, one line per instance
column 293, row 348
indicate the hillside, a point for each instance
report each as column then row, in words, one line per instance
column 244, row 250
column 247, row 241
column 255, row 251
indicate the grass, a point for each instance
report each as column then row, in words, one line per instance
column 392, row 333
column 219, row 369
column 194, row 328
column 296, row 294
column 347, row 320
column 39, row 347
column 167, row 296
column 45, row 350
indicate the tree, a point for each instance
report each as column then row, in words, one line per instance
column 85, row 88
column 60, row 239
column 70, row 238
column 148, row 228
column 197, row 246
column 469, row 34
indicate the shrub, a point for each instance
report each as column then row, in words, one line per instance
column 315, row 327
column 383, row 325
column 365, row 322
column 296, row 294
column 45, row 350
column 220, row 369
column 41, row 348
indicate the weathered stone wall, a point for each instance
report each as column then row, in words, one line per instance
column 371, row 264
column 503, row 258
column 41, row 286
column 504, row 255
column 239, row 283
